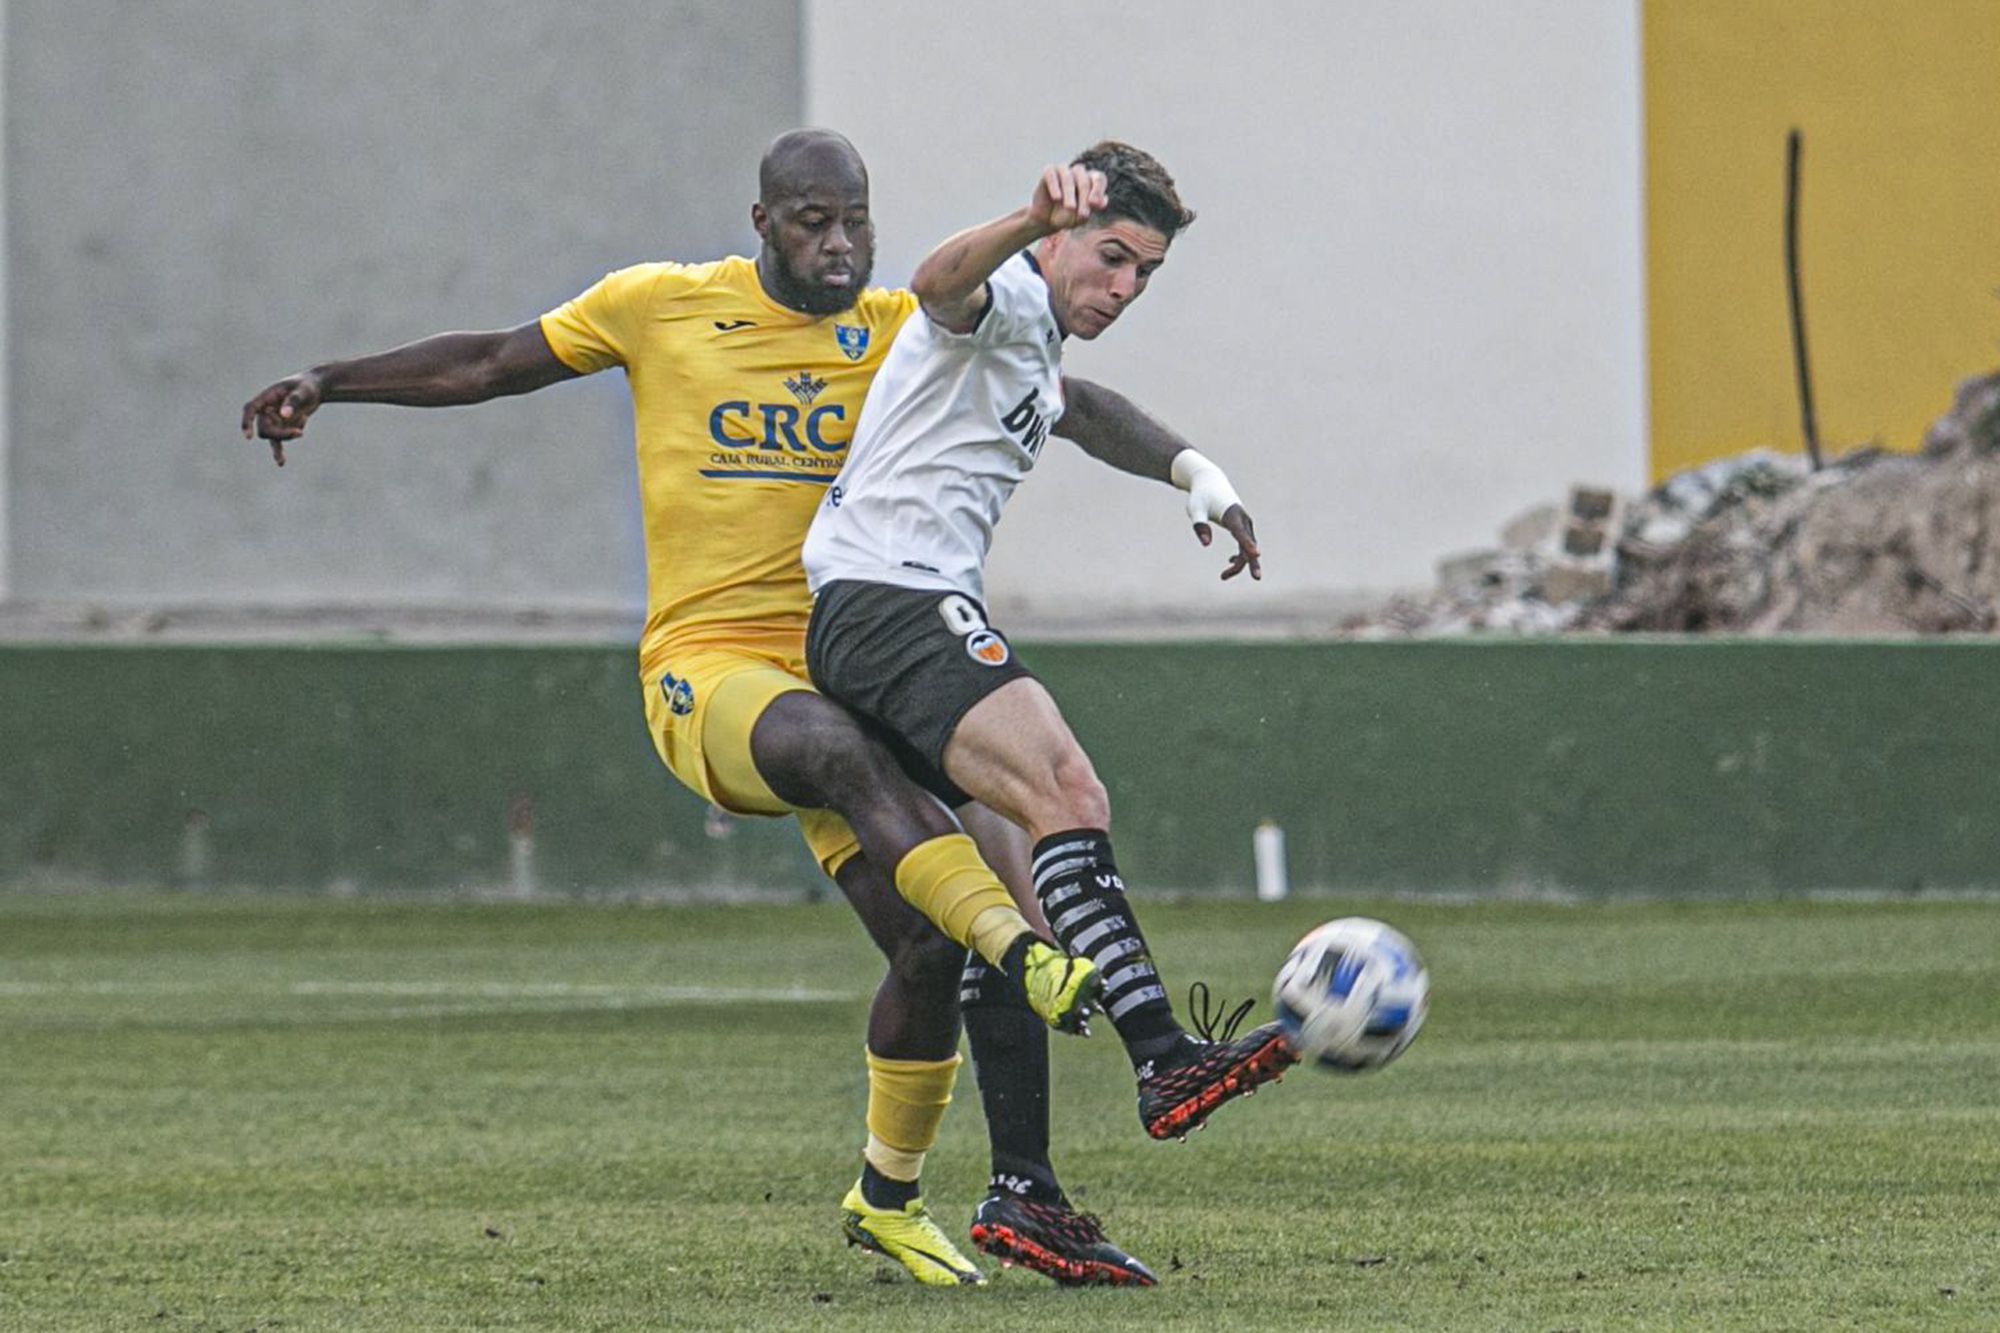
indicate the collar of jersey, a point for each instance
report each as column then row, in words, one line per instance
column 1061, row 329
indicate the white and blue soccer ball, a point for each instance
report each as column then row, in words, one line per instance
column 1352, row 995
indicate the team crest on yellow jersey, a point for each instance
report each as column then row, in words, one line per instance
column 853, row 340
column 680, row 694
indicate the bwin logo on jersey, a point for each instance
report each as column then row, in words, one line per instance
column 679, row 694
column 853, row 340
column 1026, row 423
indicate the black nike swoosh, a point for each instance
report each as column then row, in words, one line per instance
column 868, row 1240
column 730, row 326
column 936, row 1259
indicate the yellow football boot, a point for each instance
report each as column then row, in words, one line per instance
column 908, row 1236
column 1062, row 989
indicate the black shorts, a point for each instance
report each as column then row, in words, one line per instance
column 909, row 662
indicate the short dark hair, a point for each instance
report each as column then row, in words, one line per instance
column 1136, row 186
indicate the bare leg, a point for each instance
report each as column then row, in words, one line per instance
column 1014, row 752
column 915, row 1012
column 812, row 753
column 913, row 1026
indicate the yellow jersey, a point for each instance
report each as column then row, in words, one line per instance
column 742, row 412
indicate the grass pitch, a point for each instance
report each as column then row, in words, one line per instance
column 234, row 1114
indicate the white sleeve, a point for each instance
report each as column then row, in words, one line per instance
column 1016, row 301
column 1020, row 299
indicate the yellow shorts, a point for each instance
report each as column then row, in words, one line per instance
column 700, row 708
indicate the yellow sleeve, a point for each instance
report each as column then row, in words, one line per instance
column 596, row 330
column 895, row 304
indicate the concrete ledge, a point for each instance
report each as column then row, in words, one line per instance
column 1585, row 766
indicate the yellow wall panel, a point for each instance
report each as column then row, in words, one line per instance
column 1899, row 104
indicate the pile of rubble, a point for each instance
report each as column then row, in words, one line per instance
column 1873, row 543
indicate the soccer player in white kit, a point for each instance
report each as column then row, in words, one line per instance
column 955, row 419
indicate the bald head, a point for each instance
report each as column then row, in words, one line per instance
column 801, row 161
column 812, row 216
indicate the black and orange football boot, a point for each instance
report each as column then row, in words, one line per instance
column 1178, row 1091
column 1054, row 1240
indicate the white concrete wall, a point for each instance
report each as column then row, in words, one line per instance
column 1411, row 306
column 203, row 195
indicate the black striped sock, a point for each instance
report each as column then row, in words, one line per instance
column 1084, row 899
column 1010, row 1058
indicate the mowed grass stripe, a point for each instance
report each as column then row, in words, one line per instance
column 1645, row 1116
column 498, row 990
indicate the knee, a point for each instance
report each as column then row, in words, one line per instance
column 1085, row 803
column 926, row 959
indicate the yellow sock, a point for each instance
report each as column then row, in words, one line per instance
column 906, row 1101
column 946, row 881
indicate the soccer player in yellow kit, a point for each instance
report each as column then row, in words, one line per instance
column 746, row 380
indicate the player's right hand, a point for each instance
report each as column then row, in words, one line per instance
column 1066, row 196
column 279, row 413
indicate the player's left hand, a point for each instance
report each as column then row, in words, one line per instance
column 1236, row 522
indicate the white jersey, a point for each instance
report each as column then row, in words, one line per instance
column 952, row 424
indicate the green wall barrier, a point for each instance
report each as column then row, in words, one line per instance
column 1589, row 766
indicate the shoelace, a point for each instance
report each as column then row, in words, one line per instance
column 1207, row 1019
column 1079, row 1226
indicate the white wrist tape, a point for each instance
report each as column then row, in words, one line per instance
column 1209, row 493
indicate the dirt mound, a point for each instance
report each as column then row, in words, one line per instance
column 1875, row 543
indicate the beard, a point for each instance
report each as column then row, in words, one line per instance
column 816, row 298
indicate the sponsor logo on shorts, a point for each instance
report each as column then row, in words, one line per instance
column 987, row 648
column 679, row 694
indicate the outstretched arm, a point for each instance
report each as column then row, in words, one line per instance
column 1113, row 429
column 951, row 282
column 445, row 370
